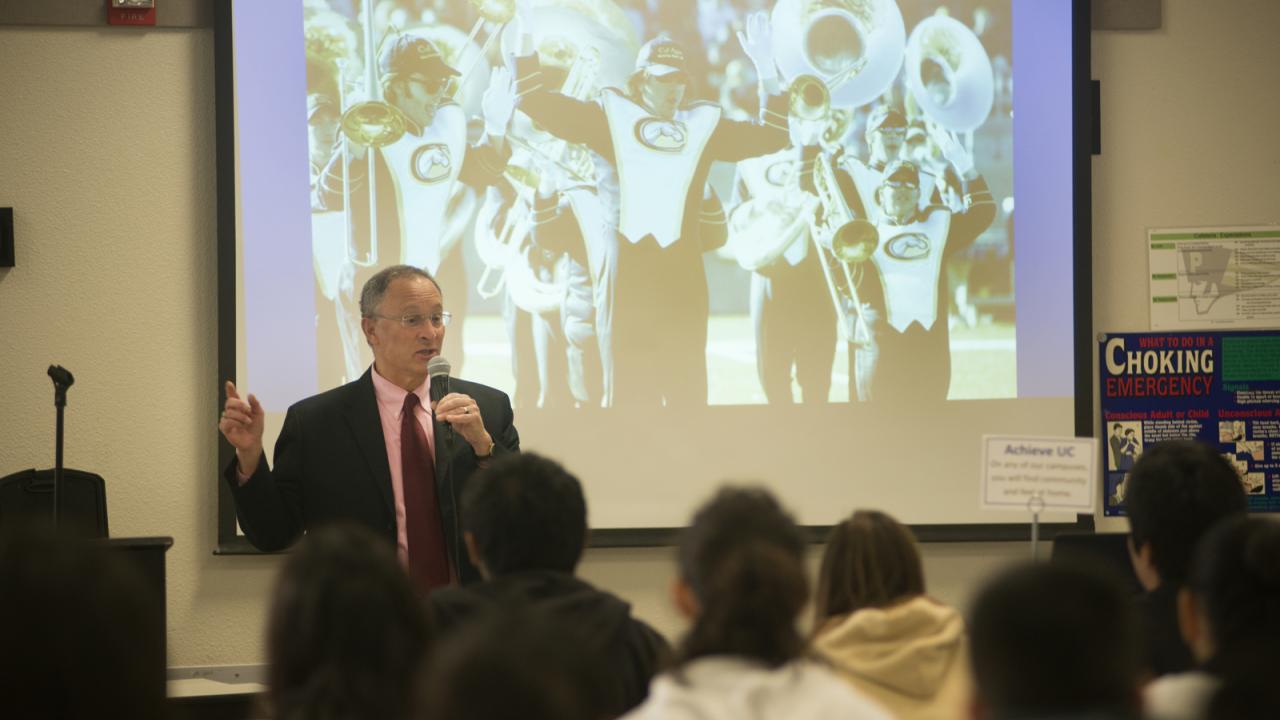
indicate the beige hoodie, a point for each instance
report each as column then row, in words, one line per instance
column 910, row 657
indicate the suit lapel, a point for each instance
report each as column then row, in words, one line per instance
column 366, row 427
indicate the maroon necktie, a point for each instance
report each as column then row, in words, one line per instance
column 428, row 560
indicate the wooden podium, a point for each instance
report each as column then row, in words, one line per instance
column 147, row 555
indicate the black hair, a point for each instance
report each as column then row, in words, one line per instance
column 743, row 558
column 1235, row 575
column 346, row 635
column 1060, row 638
column 513, row 663
column 1176, row 491
column 526, row 512
column 83, row 636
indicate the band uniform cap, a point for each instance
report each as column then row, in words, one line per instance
column 407, row 54
column 661, row 56
column 884, row 117
column 902, row 173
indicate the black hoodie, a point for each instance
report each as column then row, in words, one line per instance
column 628, row 649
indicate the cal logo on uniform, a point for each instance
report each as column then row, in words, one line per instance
column 908, row 246
column 661, row 135
column 779, row 173
column 431, row 163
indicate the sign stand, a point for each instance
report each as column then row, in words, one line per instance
column 1035, row 504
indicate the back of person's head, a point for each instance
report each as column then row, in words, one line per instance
column 513, row 663
column 1235, row 587
column 1176, row 491
column 871, row 560
column 346, row 634
column 525, row 512
column 1055, row 639
column 742, row 560
column 81, row 637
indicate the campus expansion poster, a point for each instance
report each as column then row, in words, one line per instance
column 1222, row 388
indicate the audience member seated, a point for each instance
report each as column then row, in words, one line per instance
column 874, row 622
column 513, row 664
column 347, row 636
column 524, row 524
column 1176, row 492
column 742, row 585
column 79, row 639
column 1055, row 641
column 1229, row 612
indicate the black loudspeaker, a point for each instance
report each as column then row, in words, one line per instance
column 6, row 237
column 27, row 496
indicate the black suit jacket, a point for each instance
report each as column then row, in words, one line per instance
column 331, row 466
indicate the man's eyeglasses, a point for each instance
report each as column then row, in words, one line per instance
column 417, row 320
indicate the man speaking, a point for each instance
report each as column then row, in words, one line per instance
column 390, row 450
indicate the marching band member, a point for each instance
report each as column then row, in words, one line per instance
column 789, row 298
column 330, row 48
column 886, row 136
column 422, row 167
column 565, row 344
column 908, row 323
column 662, row 150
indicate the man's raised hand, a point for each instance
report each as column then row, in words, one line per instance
column 242, row 423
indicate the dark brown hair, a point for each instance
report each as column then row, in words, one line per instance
column 743, row 558
column 871, row 560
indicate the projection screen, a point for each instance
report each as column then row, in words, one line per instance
column 693, row 241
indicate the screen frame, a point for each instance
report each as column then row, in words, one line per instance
column 229, row 542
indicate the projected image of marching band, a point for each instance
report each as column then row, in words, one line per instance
column 667, row 202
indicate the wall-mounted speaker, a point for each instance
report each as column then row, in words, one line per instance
column 1125, row 14
column 6, row 237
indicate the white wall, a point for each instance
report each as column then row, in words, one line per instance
column 106, row 154
column 1189, row 137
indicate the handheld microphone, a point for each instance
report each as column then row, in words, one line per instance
column 438, row 369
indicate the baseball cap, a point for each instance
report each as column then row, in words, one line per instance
column 408, row 54
column 661, row 56
column 901, row 173
column 885, row 117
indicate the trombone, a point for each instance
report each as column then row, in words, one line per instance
column 843, row 242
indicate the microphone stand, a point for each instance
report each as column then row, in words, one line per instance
column 62, row 379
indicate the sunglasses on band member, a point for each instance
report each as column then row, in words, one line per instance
column 675, row 78
column 432, row 85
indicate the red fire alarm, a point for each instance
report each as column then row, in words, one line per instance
column 131, row 12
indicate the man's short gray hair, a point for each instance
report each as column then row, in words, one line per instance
column 375, row 288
